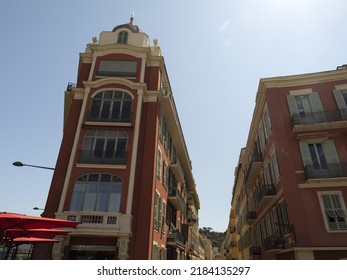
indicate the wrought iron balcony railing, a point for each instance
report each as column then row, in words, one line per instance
column 175, row 239
column 102, row 157
column 318, row 117
column 109, row 116
column 274, row 243
column 328, row 170
column 177, row 199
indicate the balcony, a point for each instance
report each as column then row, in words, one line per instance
column 175, row 239
column 326, row 171
column 255, row 250
column 251, row 216
column 253, row 169
column 109, row 116
column 177, row 170
column 265, row 195
column 177, row 200
column 102, row 157
column 93, row 220
column 319, row 120
column 274, row 243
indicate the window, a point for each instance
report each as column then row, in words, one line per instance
column 333, row 210
column 123, row 37
column 96, row 192
column 111, row 106
column 159, row 160
column 117, row 68
column 275, row 173
column 165, row 175
column 104, row 147
column 305, row 109
column 320, row 159
column 156, row 211
column 163, row 222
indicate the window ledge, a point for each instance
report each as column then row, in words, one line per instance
column 110, row 166
column 324, row 183
column 127, row 124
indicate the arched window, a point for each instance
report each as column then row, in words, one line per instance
column 123, row 37
column 111, row 106
column 96, row 192
column 104, row 147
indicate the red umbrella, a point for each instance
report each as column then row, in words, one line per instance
column 41, row 233
column 23, row 240
column 14, row 220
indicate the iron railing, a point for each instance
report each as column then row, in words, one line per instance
column 109, row 116
column 328, row 170
column 102, row 157
column 319, row 117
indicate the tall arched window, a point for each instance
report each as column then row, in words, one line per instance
column 96, row 192
column 104, row 147
column 123, row 37
column 111, row 106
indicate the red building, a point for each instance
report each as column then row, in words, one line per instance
column 290, row 188
column 123, row 170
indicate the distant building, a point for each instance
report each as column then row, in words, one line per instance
column 123, row 170
column 290, row 189
column 229, row 249
column 208, row 248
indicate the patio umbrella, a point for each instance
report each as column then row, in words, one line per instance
column 14, row 220
column 21, row 221
column 41, row 233
column 23, row 240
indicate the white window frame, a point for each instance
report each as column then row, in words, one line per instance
column 341, row 228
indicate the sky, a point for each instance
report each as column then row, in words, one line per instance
column 215, row 53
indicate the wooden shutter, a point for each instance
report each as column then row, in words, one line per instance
column 330, row 151
column 341, row 104
column 293, row 108
column 305, row 153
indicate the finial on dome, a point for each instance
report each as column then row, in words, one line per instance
column 132, row 17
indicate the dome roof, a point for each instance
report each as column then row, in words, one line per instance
column 134, row 28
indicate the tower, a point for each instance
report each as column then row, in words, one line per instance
column 123, row 170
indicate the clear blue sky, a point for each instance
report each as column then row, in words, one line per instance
column 215, row 53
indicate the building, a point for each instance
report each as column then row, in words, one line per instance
column 229, row 249
column 123, row 170
column 290, row 188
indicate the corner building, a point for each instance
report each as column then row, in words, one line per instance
column 123, row 170
column 290, row 188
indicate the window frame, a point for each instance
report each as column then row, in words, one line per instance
column 325, row 210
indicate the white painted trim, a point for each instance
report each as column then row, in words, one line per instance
column 73, row 152
column 341, row 87
column 135, row 141
column 98, row 166
column 301, row 91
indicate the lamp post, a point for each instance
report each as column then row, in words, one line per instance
column 37, row 208
column 20, row 164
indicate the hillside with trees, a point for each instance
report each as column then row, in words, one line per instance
column 215, row 237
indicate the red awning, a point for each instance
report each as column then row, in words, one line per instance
column 21, row 221
column 41, row 233
column 24, row 240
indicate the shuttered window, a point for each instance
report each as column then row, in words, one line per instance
column 334, row 210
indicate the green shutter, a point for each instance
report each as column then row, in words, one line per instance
column 315, row 102
column 330, row 151
column 293, row 108
column 341, row 104
column 317, row 107
column 305, row 153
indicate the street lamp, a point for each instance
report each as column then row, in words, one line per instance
column 20, row 164
column 37, row 208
